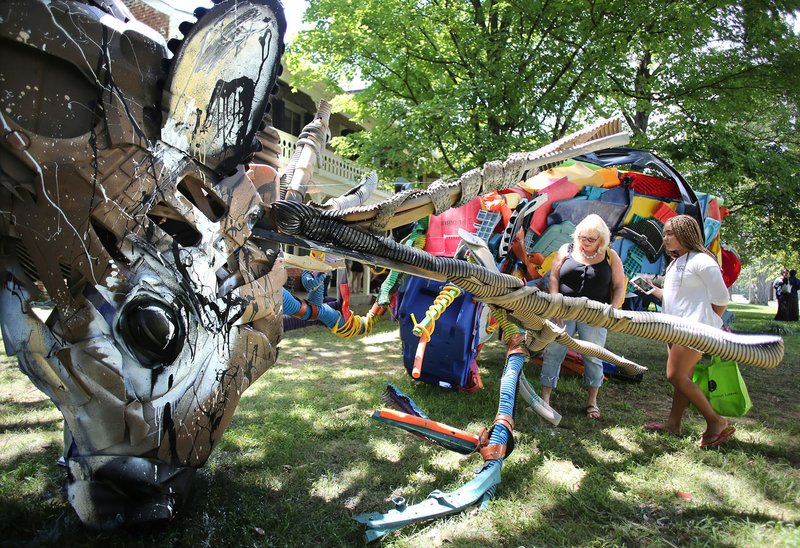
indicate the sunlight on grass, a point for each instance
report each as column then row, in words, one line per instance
column 14, row 446
column 527, row 450
column 422, row 477
column 767, row 437
column 738, row 491
column 386, row 450
column 351, row 373
column 302, row 456
column 42, row 415
column 374, row 350
column 772, row 533
column 306, row 413
column 447, row 460
column 253, row 453
column 387, row 337
column 665, row 474
column 298, row 342
column 326, row 354
column 562, row 473
column 299, row 374
column 457, row 530
column 601, row 454
column 623, row 438
column 710, row 484
column 331, row 486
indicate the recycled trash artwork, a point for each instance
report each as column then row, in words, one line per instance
column 139, row 194
column 126, row 202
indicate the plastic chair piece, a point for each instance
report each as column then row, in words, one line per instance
column 554, row 237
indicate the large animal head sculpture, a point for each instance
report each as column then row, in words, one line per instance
column 124, row 199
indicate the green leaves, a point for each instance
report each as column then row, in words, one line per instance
column 451, row 84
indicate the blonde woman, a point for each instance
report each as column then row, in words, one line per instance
column 695, row 291
column 586, row 267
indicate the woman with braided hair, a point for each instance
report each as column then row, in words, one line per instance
column 694, row 290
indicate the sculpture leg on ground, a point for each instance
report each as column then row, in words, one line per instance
column 342, row 323
column 494, row 448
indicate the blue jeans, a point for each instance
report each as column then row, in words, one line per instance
column 554, row 354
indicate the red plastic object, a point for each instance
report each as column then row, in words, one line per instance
column 663, row 213
column 653, row 186
column 713, row 210
column 474, row 381
column 572, row 364
column 494, row 201
column 731, row 267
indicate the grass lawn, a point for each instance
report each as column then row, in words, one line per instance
column 302, row 457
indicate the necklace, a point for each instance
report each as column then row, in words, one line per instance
column 590, row 257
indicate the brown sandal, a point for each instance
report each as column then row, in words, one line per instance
column 593, row 412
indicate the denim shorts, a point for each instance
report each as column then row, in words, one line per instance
column 554, row 354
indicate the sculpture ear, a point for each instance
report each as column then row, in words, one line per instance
column 220, row 81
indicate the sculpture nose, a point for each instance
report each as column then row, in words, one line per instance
column 109, row 491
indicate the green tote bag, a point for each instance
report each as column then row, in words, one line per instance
column 723, row 385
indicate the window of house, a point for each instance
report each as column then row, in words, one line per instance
column 277, row 112
column 295, row 121
column 287, row 117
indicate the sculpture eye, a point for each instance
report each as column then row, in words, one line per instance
column 153, row 331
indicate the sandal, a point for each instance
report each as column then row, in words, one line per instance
column 593, row 412
column 707, row 442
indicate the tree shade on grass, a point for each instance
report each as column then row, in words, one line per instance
column 302, row 457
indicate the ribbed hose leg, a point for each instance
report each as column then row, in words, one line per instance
column 501, row 434
column 314, row 284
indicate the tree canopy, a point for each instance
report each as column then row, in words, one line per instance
column 450, row 84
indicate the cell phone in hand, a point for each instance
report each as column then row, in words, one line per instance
column 643, row 284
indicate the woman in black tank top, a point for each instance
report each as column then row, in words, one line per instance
column 586, row 267
column 579, row 279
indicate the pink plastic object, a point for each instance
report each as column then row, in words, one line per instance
column 556, row 192
column 442, row 238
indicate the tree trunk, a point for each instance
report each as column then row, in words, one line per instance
column 760, row 284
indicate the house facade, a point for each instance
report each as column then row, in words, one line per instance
column 291, row 109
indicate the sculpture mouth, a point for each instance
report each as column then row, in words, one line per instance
column 112, row 491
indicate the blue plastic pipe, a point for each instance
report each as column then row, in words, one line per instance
column 508, row 397
column 314, row 283
column 327, row 315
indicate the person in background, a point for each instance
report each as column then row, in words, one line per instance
column 791, row 302
column 356, row 276
column 783, row 291
column 586, row 267
column 695, row 291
